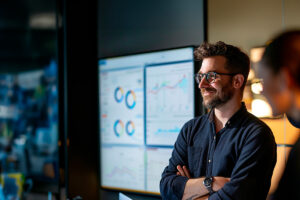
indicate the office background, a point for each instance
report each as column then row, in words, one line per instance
column 78, row 33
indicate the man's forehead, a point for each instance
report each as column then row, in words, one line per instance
column 212, row 64
column 210, row 69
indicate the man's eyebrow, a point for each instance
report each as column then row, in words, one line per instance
column 199, row 72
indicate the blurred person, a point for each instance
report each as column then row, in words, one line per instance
column 227, row 153
column 279, row 70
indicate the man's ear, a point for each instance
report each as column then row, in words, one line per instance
column 238, row 81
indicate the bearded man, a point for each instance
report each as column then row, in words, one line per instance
column 227, row 153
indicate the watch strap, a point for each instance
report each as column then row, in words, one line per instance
column 208, row 184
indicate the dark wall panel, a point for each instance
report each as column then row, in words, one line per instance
column 80, row 97
column 136, row 26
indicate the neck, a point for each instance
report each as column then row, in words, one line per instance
column 224, row 112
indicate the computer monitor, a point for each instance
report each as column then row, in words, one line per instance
column 144, row 101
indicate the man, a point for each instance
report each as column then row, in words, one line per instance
column 227, row 153
column 280, row 72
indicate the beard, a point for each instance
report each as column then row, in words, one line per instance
column 219, row 98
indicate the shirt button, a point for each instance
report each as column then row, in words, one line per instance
column 209, row 161
column 214, row 137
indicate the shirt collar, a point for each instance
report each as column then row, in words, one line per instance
column 237, row 115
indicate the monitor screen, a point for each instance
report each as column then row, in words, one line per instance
column 144, row 99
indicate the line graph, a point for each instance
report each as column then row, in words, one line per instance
column 182, row 83
column 121, row 171
column 123, row 167
column 157, row 160
column 169, row 101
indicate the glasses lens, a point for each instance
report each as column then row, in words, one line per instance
column 210, row 77
column 198, row 78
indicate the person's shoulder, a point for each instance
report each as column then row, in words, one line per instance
column 191, row 127
column 196, row 120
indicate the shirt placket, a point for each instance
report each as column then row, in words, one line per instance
column 212, row 148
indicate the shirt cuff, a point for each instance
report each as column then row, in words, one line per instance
column 179, row 185
column 219, row 195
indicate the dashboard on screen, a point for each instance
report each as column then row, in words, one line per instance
column 144, row 99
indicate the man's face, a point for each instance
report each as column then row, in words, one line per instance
column 220, row 90
column 273, row 89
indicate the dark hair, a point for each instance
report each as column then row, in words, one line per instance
column 284, row 51
column 236, row 60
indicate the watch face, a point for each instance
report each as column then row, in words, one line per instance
column 207, row 181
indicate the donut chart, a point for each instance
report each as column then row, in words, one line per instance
column 130, row 99
column 130, row 128
column 119, row 94
column 118, row 128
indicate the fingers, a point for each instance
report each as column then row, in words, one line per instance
column 180, row 170
column 183, row 171
column 186, row 171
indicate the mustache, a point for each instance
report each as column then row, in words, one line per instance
column 208, row 90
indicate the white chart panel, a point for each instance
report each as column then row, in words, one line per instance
column 123, row 167
column 157, row 160
column 170, row 101
column 122, row 106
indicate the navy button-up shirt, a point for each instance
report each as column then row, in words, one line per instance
column 244, row 150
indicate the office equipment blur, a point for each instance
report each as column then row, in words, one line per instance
column 29, row 127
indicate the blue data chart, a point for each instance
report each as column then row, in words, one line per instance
column 118, row 128
column 123, row 167
column 119, row 94
column 144, row 100
column 122, row 106
column 130, row 99
column 170, row 101
column 157, row 160
column 130, row 128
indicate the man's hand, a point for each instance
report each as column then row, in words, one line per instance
column 183, row 171
column 219, row 182
column 195, row 189
column 203, row 198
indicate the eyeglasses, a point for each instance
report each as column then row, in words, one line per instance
column 210, row 77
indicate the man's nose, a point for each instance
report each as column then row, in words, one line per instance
column 203, row 83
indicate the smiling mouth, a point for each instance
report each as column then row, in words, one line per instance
column 207, row 91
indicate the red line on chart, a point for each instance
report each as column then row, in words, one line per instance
column 156, row 88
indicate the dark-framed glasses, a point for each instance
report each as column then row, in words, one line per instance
column 210, row 77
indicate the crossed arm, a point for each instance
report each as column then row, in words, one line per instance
column 194, row 188
column 255, row 161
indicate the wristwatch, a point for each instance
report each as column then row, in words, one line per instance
column 207, row 182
